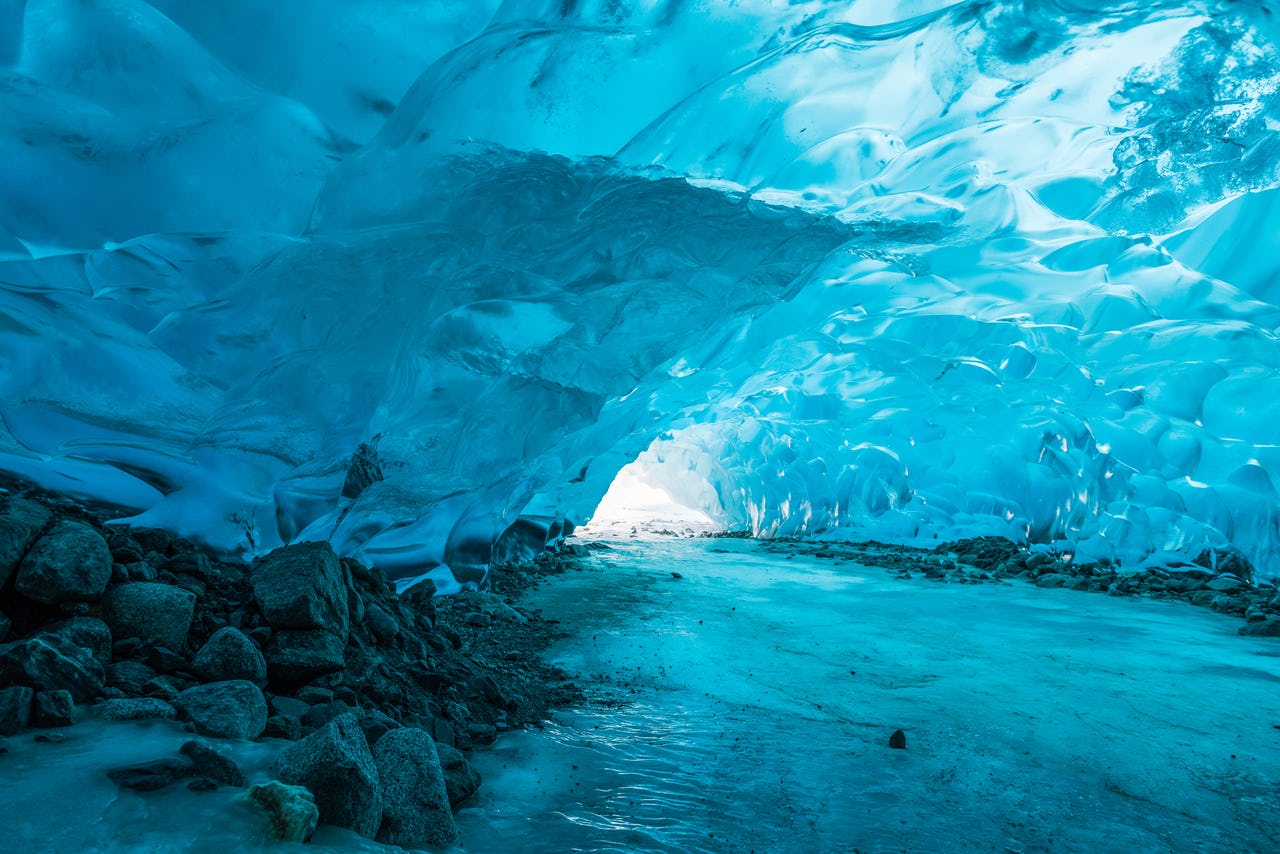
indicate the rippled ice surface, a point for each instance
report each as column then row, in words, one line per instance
column 757, row 695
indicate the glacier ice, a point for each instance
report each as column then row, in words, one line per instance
column 905, row 269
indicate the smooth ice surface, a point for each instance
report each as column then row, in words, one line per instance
column 757, row 695
column 903, row 269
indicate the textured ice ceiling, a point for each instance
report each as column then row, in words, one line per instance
column 899, row 268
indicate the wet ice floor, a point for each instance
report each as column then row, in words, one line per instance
column 758, row 695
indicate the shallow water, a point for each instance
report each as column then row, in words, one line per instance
column 748, row 707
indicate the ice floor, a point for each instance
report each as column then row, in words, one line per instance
column 757, row 695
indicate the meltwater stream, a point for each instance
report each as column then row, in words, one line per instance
column 747, row 706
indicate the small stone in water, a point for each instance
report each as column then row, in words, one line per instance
column 898, row 741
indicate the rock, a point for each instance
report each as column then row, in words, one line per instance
column 15, row 709
column 68, row 563
column 382, row 624
column 158, row 614
column 898, row 741
column 50, row 663
column 5, row 625
column 288, row 706
column 1054, row 579
column 313, row 694
column 211, row 764
column 20, row 523
column 1225, row 584
column 335, row 764
column 164, row 660
column 140, row 709
column 291, row 809
column 229, row 654
column 461, row 781
column 415, row 804
column 203, row 784
column 166, row 688
column 302, row 587
column 1268, row 628
column 191, row 563
column 300, row 655
column 129, row 676
column 376, row 724
column 233, row 709
column 88, row 632
column 151, row 776
column 319, row 715
column 54, row 709
column 283, row 726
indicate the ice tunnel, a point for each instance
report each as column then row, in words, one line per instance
column 410, row 276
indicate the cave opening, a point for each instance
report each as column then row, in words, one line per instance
column 640, row 502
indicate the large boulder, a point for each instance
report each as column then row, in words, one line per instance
column 68, row 563
column 291, row 809
column 229, row 654
column 233, row 709
column 461, row 781
column 302, row 587
column 334, row 763
column 51, row 663
column 20, row 523
column 295, row 656
column 158, row 614
column 415, row 804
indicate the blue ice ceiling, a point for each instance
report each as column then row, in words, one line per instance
column 902, row 269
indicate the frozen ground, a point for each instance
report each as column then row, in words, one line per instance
column 756, row 696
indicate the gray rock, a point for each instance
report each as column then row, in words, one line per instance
column 291, row 809
column 53, row 709
column 15, row 709
column 151, row 776
column 300, row 655
column 283, row 726
column 88, row 632
column 212, row 765
column 382, row 624
column 376, row 724
column 415, row 803
column 229, row 654
column 288, row 706
column 335, row 764
column 1054, row 579
column 51, row 662
column 461, row 781
column 129, row 676
column 68, row 563
column 1268, row 628
column 302, row 587
column 20, row 523
column 158, row 614
column 139, row 709
column 1225, row 584
column 234, row 709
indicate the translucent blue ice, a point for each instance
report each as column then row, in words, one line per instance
column 891, row 268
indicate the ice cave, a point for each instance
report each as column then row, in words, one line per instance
column 640, row 425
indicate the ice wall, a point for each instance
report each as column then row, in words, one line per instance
column 896, row 269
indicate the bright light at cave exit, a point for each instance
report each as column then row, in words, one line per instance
column 633, row 505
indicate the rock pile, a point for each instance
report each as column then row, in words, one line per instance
column 1221, row 580
column 379, row 690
